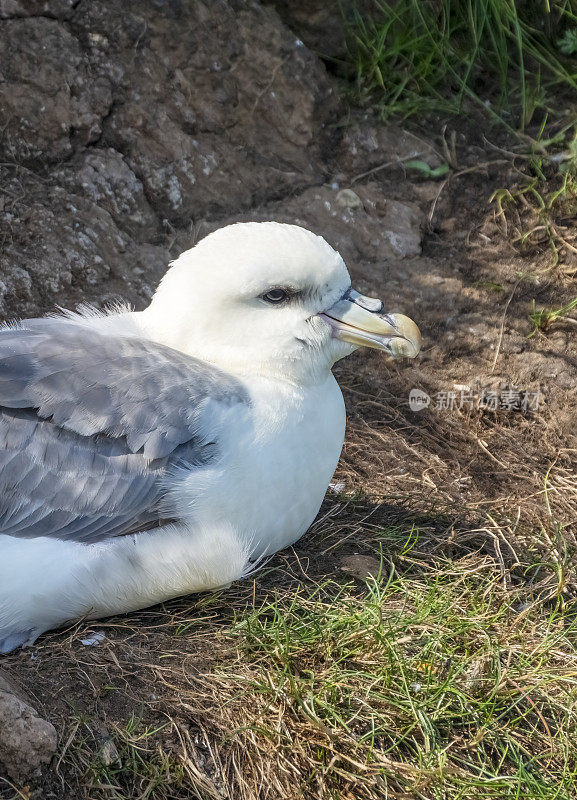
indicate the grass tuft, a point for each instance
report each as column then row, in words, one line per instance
column 538, row 212
column 415, row 686
column 411, row 56
column 543, row 318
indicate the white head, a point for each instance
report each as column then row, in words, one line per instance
column 251, row 298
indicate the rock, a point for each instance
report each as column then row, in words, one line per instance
column 346, row 198
column 361, row 567
column 321, row 24
column 401, row 223
column 368, row 144
column 181, row 130
column 107, row 752
column 63, row 247
column 58, row 9
column 125, row 124
column 362, row 224
column 103, row 176
column 27, row 742
column 47, row 96
column 316, row 23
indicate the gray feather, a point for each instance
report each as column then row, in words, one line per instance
column 91, row 424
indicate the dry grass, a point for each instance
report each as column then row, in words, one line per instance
column 537, row 210
column 429, row 679
column 409, row 690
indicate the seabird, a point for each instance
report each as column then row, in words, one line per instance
column 151, row 454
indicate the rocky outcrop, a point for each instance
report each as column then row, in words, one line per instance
column 125, row 122
column 27, row 742
column 322, row 24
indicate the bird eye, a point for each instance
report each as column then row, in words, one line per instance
column 276, row 296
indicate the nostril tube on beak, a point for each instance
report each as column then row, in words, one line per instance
column 370, row 303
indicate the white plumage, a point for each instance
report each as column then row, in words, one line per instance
column 146, row 455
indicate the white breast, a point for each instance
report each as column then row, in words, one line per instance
column 276, row 467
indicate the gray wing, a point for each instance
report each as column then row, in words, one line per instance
column 90, row 425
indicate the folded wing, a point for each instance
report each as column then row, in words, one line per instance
column 91, row 425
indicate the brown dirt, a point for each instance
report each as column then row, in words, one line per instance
column 129, row 130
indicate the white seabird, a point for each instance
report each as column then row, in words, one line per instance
column 146, row 455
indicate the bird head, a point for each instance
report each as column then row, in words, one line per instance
column 272, row 299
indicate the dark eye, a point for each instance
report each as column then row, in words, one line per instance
column 276, row 296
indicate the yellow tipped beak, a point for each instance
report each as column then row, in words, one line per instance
column 356, row 319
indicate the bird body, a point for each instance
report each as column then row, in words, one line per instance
column 147, row 455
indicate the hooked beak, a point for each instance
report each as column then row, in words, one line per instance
column 357, row 319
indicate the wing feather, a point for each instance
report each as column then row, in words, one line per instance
column 92, row 423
